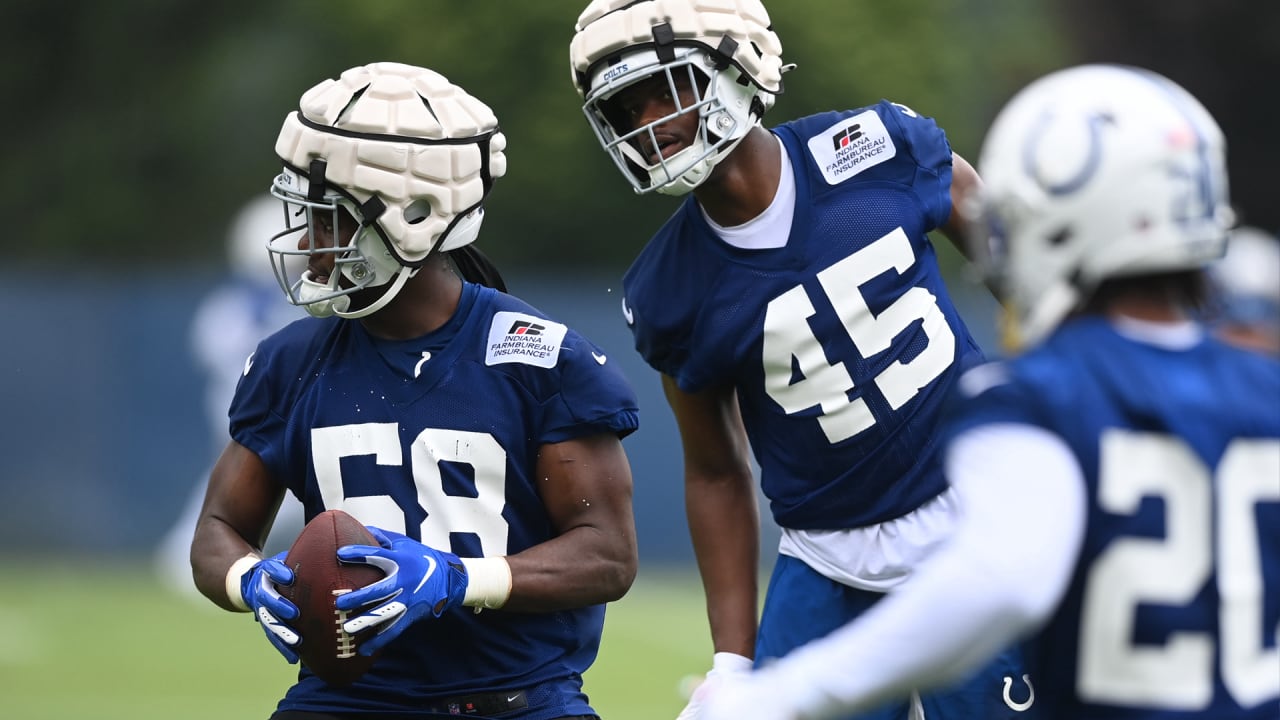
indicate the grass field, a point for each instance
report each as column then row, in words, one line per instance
column 108, row 642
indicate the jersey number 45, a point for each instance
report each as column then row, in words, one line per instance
column 788, row 336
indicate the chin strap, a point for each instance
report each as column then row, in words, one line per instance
column 393, row 288
column 685, row 182
column 339, row 304
column 318, row 298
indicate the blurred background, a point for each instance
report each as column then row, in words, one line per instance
column 136, row 131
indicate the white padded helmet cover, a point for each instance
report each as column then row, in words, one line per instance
column 606, row 27
column 375, row 125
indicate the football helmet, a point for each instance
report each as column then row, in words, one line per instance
column 727, row 52
column 1247, row 279
column 404, row 152
column 1091, row 173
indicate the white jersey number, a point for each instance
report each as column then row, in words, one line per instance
column 1201, row 530
column 789, row 340
column 481, row 515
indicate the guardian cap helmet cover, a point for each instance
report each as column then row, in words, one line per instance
column 403, row 151
column 727, row 51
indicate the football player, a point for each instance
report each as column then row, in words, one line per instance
column 468, row 430
column 1120, row 477
column 795, row 309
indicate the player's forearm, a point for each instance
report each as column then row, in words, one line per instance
column 918, row 639
column 215, row 550
column 997, row 578
column 724, row 526
column 587, row 565
column 240, row 505
column 592, row 557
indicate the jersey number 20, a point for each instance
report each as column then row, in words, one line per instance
column 1210, row 526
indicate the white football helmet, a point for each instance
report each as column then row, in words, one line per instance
column 407, row 154
column 1247, row 279
column 726, row 49
column 1091, row 173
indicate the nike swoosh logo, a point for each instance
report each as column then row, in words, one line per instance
column 626, row 313
column 248, row 363
column 599, row 358
column 431, row 569
column 513, row 697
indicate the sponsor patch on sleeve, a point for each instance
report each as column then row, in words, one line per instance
column 851, row 146
column 516, row 337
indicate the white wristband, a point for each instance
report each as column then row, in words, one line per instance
column 488, row 582
column 237, row 571
column 727, row 662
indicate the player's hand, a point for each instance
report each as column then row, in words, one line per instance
column 258, row 588
column 420, row 581
column 746, row 695
column 723, row 666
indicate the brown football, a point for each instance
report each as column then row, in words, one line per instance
column 318, row 578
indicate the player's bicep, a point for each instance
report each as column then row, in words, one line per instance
column 586, row 483
column 711, row 430
column 242, row 496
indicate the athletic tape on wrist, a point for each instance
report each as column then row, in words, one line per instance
column 488, row 582
column 234, row 573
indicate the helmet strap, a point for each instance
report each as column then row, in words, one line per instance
column 664, row 38
column 392, row 289
column 372, row 209
column 316, row 181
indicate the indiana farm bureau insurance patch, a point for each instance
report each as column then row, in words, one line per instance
column 516, row 337
column 851, row 146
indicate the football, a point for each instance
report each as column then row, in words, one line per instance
column 318, row 578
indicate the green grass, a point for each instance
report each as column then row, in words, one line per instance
column 92, row 640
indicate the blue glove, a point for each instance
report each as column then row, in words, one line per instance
column 420, row 581
column 258, row 588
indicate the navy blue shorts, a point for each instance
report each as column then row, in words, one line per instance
column 802, row 605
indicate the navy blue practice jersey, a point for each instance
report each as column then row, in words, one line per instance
column 841, row 343
column 1174, row 606
column 438, row 437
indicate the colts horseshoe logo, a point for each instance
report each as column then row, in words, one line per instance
column 1092, row 158
column 1019, row 706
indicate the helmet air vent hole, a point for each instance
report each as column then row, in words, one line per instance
column 417, row 211
column 1060, row 237
column 427, row 104
column 350, row 104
